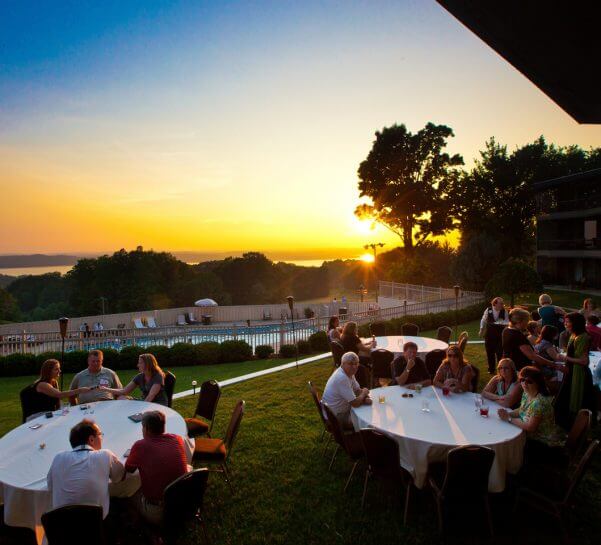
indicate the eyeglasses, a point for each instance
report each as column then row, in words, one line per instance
column 526, row 381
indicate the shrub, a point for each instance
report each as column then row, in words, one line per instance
column 287, row 351
column 75, row 361
column 232, row 351
column 513, row 277
column 263, row 351
column 161, row 352
column 183, row 355
column 208, row 353
column 309, row 313
column 304, row 347
column 319, row 342
column 16, row 365
column 41, row 358
column 111, row 358
column 128, row 357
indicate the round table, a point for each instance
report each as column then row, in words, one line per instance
column 425, row 437
column 594, row 358
column 24, row 465
column 395, row 343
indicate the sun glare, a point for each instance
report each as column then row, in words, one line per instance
column 363, row 227
column 367, row 258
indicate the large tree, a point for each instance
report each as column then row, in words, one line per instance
column 406, row 178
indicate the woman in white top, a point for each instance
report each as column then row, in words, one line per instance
column 334, row 329
column 504, row 387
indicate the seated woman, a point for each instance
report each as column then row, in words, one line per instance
column 535, row 414
column 150, row 380
column 534, row 330
column 503, row 387
column 454, row 372
column 334, row 329
column 352, row 343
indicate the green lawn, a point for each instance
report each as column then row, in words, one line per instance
column 561, row 298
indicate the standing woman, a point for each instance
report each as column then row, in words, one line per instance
column 150, row 380
column 576, row 391
column 494, row 320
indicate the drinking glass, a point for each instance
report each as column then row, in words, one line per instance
column 65, row 405
column 382, row 399
column 418, row 388
column 478, row 402
column 484, row 411
column 445, row 391
column 425, row 405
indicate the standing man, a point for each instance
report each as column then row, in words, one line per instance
column 93, row 377
column 494, row 320
column 342, row 390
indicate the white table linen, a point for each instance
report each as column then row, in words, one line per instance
column 425, row 437
column 24, row 465
column 593, row 362
column 395, row 343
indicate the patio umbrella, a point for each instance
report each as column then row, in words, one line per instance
column 205, row 303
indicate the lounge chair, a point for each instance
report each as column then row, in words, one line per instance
column 138, row 323
column 181, row 320
column 150, row 322
column 191, row 319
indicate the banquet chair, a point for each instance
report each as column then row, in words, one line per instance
column 363, row 376
column 377, row 328
column 74, row 524
column 326, row 425
column 555, row 496
column 337, row 352
column 443, row 333
column 433, row 360
column 462, row 341
column 382, row 456
column 410, row 329
column 578, row 435
column 218, row 451
column 464, row 480
column 206, row 406
column 475, row 378
column 27, row 396
column 349, row 442
column 381, row 360
column 169, row 387
column 183, row 500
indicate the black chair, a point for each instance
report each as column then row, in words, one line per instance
column 74, row 524
column 337, row 352
column 475, row 378
column 363, row 376
column 326, row 425
column 382, row 455
column 463, row 481
column 183, row 500
column 380, row 365
column 410, row 329
column 433, row 360
column 169, row 387
column 443, row 333
column 28, row 401
column 378, row 329
column 206, row 406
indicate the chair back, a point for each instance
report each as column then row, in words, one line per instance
column 378, row 329
column 433, row 360
column 337, row 352
column 183, row 498
column 580, row 470
column 475, row 378
column 381, row 453
column 578, row 433
column 72, row 524
column 208, row 398
column 380, row 363
column 28, row 401
column 335, row 427
column 462, row 342
column 317, row 400
column 362, row 376
column 234, row 426
column 443, row 333
column 169, row 387
column 410, row 329
column 468, row 468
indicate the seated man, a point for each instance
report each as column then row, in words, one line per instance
column 409, row 370
column 161, row 458
column 342, row 390
column 93, row 377
column 82, row 475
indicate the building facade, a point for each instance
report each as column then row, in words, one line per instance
column 568, row 238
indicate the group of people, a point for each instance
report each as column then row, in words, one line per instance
column 96, row 383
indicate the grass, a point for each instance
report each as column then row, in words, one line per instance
column 561, row 298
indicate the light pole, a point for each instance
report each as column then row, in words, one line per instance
column 361, row 291
column 102, row 301
column 290, row 300
column 374, row 248
column 457, row 289
column 62, row 324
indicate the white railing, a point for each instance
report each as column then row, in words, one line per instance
column 417, row 293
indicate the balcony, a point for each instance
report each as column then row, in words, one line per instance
column 570, row 244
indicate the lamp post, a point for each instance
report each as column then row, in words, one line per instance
column 102, row 301
column 63, row 323
column 457, row 289
column 290, row 300
column 362, row 291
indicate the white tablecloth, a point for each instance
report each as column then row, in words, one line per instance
column 395, row 343
column 24, row 465
column 452, row 421
column 594, row 358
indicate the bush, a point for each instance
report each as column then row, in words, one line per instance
column 287, row 351
column 110, row 359
column 75, row 361
column 161, row 352
column 513, row 277
column 128, row 357
column 232, row 351
column 208, row 353
column 183, row 355
column 263, row 351
column 319, row 342
column 304, row 347
column 309, row 313
column 16, row 365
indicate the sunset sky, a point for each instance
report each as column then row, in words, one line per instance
column 218, row 126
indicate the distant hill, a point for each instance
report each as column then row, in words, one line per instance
column 5, row 280
column 35, row 260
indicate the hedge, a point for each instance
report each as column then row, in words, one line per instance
column 263, row 351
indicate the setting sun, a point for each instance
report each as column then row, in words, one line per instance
column 367, row 258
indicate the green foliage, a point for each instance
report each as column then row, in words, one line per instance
column 128, row 357
column 263, row 351
column 513, row 277
column 9, row 311
column 429, row 264
column 162, row 354
column 287, row 351
column 208, row 353
column 183, row 355
column 304, row 347
column 308, row 312
column 477, row 260
column 235, row 351
column 16, row 365
column 319, row 341
column 406, row 176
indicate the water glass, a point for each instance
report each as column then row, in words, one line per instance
column 65, row 405
column 382, row 399
column 418, row 388
column 478, row 402
column 425, row 405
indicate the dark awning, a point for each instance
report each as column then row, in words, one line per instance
column 554, row 44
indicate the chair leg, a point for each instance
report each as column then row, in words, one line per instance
column 203, row 526
column 440, row 516
column 348, row 481
column 407, row 496
column 333, row 458
column 325, row 447
column 323, row 433
column 489, row 516
column 365, row 488
column 227, row 476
